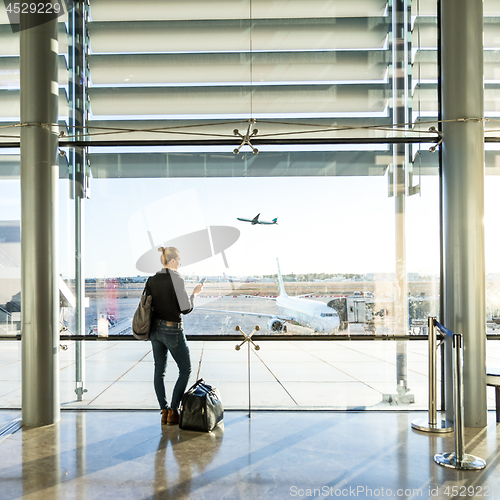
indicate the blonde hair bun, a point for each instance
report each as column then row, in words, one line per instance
column 167, row 254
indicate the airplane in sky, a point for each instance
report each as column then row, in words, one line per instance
column 306, row 312
column 256, row 220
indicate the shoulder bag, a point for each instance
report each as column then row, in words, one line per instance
column 141, row 323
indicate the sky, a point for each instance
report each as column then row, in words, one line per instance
column 325, row 224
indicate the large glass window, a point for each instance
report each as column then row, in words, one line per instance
column 337, row 98
column 334, row 237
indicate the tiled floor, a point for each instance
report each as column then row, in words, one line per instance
column 272, row 455
column 283, row 374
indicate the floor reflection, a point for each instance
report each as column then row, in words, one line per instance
column 273, row 455
column 41, row 460
column 193, row 453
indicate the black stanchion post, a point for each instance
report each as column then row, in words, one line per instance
column 432, row 424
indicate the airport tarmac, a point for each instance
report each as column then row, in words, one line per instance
column 202, row 322
column 212, row 323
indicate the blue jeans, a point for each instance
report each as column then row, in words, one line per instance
column 164, row 339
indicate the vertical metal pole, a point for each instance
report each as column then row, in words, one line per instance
column 78, row 114
column 80, row 299
column 432, row 424
column 441, row 219
column 457, row 398
column 400, row 115
column 463, row 197
column 432, row 371
column 249, row 391
column 39, row 215
column 443, row 374
column 459, row 459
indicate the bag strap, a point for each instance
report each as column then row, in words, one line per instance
column 199, row 363
column 146, row 286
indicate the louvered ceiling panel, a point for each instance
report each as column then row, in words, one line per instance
column 209, row 61
column 425, row 69
column 148, row 10
column 10, row 105
column 235, row 35
column 429, row 8
column 236, row 102
column 210, row 69
column 229, row 165
column 311, row 163
column 425, row 64
column 10, row 74
column 9, row 41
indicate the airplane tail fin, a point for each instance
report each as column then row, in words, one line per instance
column 275, row 221
column 282, row 291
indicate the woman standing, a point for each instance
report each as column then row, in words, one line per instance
column 170, row 300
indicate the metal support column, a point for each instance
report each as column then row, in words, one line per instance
column 39, row 215
column 400, row 115
column 78, row 115
column 463, row 198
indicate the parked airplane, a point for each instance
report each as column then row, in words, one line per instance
column 256, row 220
column 234, row 279
column 306, row 312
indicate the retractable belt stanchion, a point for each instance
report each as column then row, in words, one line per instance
column 458, row 459
column 432, row 424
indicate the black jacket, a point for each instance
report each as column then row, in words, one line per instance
column 170, row 298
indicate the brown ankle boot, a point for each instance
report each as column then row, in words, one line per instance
column 164, row 416
column 172, row 417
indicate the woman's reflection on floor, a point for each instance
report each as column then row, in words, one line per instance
column 192, row 451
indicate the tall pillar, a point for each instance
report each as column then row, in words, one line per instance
column 39, row 214
column 77, row 122
column 400, row 115
column 463, row 198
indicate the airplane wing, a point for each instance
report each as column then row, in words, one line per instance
column 245, row 313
